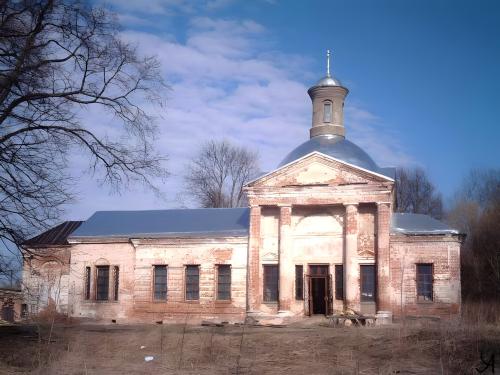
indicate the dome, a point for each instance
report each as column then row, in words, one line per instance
column 337, row 147
column 328, row 81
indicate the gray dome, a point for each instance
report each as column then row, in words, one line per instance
column 337, row 147
column 328, row 81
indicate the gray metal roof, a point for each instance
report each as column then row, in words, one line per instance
column 159, row 223
column 328, row 81
column 419, row 224
column 339, row 148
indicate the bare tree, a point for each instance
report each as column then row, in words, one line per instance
column 416, row 194
column 475, row 210
column 58, row 60
column 216, row 175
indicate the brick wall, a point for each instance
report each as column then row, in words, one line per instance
column 136, row 259
column 443, row 252
column 176, row 254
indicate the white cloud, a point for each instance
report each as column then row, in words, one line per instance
column 228, row 83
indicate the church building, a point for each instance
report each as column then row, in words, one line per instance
column 319, row 236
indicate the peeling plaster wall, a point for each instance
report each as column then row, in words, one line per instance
column 317, row 238
column 121, row 254
column 46, row 280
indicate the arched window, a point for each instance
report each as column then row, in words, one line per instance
column 327, row 111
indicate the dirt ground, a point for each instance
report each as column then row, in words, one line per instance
column 307, row 347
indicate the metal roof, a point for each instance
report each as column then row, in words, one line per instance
column 339, row 148
column 160, row 223
column 57, row 235
column 328, row 81
column 404, row 223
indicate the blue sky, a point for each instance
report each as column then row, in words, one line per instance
column 424, row 81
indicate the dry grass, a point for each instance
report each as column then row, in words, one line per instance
column 415, row 347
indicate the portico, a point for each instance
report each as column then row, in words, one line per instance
column 349, row 244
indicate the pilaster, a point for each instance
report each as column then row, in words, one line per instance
column 383, row 257
column 253, row 274
column 286, row 269
column 351, row 268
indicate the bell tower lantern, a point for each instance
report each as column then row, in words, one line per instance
column 327, row 97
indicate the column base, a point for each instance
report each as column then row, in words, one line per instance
column 383, row 318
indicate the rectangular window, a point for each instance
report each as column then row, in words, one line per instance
column 327, row 112
column 116, row 278
column 102, row 287
column 299, row 283
column 339, row 281
column 160, row 282
column 192, row 283
column 367, row 283
column 424, row 282
column 270, row 283
column 87, row 282
column 223, row 282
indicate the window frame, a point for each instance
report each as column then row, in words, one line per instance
column 88, row 281
column 339, row 282
column 362, row 283
column 155, row 267
column 228, row 297
column 116, row 282
column 98, row 284
column 266, row 299
column 418, row 283
column 299, row 282
column 330, row 112
column 186, row 283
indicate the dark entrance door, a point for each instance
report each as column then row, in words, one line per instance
column 319, row 289
column 8, row 313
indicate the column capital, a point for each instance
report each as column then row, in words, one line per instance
column 284, row 205
column 383, row 203
column 350, row 204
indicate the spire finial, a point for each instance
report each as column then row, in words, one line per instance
column 328, row 63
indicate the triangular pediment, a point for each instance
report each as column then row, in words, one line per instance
column 320, row 170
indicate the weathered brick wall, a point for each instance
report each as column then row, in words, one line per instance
column 176, row 254
column 441, row 251
column 46, row 280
